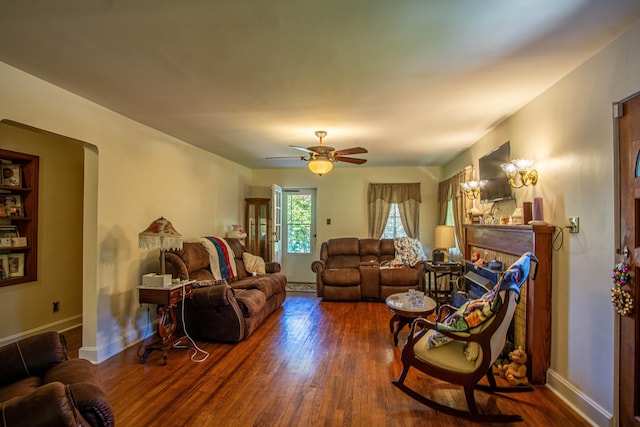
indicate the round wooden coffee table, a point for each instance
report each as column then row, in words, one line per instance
column 404, row 311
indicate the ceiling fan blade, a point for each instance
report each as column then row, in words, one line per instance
column 350, row 160
column 302, row 148
column 354, row 150
column 285, row 157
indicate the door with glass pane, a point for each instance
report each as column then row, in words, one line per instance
column 299, row 234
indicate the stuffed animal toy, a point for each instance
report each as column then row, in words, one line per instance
column 516, row 371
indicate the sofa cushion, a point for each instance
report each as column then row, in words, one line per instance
column 31, row 356
column 49, row 405
column 72, row 371
column 269, row 285
column 19, row 388
column 387, row 250
column 195, row 257
column 343, row 246
column 369, row 250
column 253, row 263
column 341, row 277
column 398, row 276
column 238, row 251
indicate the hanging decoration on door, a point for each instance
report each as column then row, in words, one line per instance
column 621, row 298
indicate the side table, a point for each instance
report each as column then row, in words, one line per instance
column 435, row 271
column 167, row 299
column 404, row 311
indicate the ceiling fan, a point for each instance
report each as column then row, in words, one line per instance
column 321, row 157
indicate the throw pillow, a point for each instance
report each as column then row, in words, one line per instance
column 436, row 339
column 253, row 263
column 408, row 251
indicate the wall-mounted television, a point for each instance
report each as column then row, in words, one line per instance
column 497, row 187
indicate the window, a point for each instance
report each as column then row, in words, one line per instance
column 453, row 252
column 394, row 226
column 298, row 223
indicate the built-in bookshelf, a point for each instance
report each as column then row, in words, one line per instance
column 18, row 217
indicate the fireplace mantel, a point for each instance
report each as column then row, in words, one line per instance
column 515, row 240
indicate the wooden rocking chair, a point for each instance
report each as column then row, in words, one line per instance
column 449, row 363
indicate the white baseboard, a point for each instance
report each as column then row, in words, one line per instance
column 586, row 407
column 59, row 326
column 98, row 355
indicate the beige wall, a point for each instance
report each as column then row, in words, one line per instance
column 135, row 175
column 27, row 307
column 342, row 195
column 569, row 130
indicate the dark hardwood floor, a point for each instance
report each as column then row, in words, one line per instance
column 311, row 363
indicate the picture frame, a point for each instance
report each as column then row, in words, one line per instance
column 9, row 231
column 12, row 175
column 16, row 264
column 12, row 204
column 4, row 267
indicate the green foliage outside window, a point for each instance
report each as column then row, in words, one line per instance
column 299, row 224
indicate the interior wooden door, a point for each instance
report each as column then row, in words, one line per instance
column 628, row 253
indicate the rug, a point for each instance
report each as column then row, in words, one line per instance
column 301, row 287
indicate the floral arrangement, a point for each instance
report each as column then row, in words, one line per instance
column 621, row 299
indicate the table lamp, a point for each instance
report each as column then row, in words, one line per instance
column 160, row 234
column 444, row 239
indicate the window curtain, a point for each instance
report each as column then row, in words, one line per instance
column 450, row 190
column 406, row 196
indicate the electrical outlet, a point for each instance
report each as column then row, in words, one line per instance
column 56, row 306
column 574, row 224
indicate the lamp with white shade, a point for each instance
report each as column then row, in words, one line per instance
column 160, row 234
column 444, row 240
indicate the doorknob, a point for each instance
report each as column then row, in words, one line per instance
column 625, row 252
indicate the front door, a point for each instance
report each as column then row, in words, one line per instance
column 628, row 252
column 299, row 234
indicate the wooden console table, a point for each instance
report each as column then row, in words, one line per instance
column 167, row 299
column 515, row 240
column 436, row 271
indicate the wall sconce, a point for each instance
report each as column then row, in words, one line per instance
column 473, row 188
column 520, row 168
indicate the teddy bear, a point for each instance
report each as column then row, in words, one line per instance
column 516, row 371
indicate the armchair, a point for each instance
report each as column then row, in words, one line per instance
column 442, row 349
column 40, row 386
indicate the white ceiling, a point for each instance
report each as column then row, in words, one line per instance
column 413, row 81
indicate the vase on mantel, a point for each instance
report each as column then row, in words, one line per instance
column 237, row 232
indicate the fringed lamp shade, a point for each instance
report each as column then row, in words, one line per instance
column 160, row 234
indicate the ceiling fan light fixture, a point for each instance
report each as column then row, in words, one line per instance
column 320, row 165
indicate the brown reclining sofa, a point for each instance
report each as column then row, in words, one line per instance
column 228, row 312
column 355, row 269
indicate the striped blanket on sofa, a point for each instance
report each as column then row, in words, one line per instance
column 221, row 259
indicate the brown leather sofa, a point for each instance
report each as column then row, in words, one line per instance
column 354, row 269
column 229, row 312
column 41, row 386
